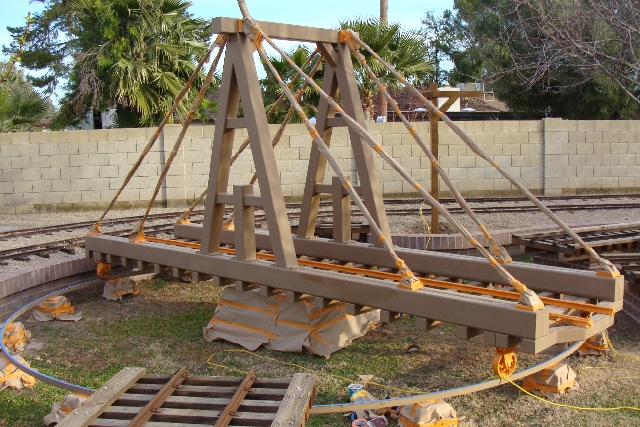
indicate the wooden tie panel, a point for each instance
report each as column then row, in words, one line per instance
column 134, row 398
column 628, row 264
column 605, row 238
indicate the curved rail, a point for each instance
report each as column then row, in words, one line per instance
column 317, row 409
column 444, row 394
column 42, row 377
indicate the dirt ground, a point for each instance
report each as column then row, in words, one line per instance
column 161, row 329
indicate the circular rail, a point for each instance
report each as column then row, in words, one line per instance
column 316, row 409
column 444, row 394
column 74, row 388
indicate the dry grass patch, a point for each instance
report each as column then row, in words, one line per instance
column 161, row 329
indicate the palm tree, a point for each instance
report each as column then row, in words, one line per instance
column 20, row 107
column 405, row 50
column 134, row 55
column 271, row 91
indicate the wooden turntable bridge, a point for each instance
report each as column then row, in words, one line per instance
column 466, row 291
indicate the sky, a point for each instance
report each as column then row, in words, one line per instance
column 316, row 13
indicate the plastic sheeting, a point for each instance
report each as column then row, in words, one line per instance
column 10, row 376
column 62, row 409
column 114, row 289
column 15, row 337
column 552, row 381
column 57, row 307
column 438, row 413
column 251, row 320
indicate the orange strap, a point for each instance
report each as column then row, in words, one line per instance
column 247, row 328
column 442, row 423
column 248, row 307
column 10, row 339
column 319, row 338
column 529, row 384
column 326, row 310
column 330, row 322
column 65, row 308
column 14, row 374
column 296, row 324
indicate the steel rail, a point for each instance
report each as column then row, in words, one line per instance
column 444, row 394
column 317, row 409
column 74, row 388
column 85, row 224
column 61, row 245
column 427, row 282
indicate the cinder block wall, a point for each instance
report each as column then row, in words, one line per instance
column 67, row 170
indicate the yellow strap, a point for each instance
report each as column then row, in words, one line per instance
column 247, row 328
column 65, row 409
column 248, row 307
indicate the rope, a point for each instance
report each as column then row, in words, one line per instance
column 604, row 264
column 219, row 42
column 184, row 218
column 426, row 224
column 580, row 408
column 137, row 235
column 528, row 298
column 498, row 251
column 409, row 281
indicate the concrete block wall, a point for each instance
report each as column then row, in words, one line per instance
column 47, row 171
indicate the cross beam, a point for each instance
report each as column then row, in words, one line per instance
column 278, row 31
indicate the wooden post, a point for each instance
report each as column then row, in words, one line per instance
column 433, row 94
column 244, row 224
column 435, row 180
column 341, row 212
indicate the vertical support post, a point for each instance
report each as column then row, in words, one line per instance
column 240, row 80
column 341, row 204
column 264, row 157
column 339, row 74
column 435, row 179
column 244, row 224
column 362, row 153
column 228, row 105
column 317, row 162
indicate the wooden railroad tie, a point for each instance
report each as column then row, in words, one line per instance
column 133, row 398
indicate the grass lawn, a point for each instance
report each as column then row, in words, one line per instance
column 161, row 329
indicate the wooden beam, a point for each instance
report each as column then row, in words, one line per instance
column 540, row 278
column 278, row 31
column 293, row 411
column 91, row 408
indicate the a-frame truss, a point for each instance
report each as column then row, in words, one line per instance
column 240, row 84
column 339, row 78
column 304, row 265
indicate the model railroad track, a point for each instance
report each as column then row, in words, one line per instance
column 628, row 264
column 72, row 245
column 49, row 230
column 564, row 310
column 294, row 208
column 605, row 238
column 135, row 399
column 502, row 208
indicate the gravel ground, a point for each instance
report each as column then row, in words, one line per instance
column 411, row 224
